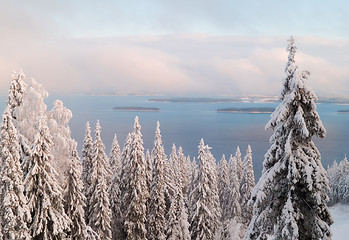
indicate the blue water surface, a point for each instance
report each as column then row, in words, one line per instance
column 184, row 124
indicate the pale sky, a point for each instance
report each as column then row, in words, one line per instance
column 206, row 47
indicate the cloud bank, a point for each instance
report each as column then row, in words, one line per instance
column 72, row 47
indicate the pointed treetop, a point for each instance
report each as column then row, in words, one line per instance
column 88, row 127
column 98, row 128
column 249, row 150
column 238, row 152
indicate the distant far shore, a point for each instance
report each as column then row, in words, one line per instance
column 215, row 100
column 137, row 109
column 247, row 110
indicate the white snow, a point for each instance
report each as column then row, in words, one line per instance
column 340, row 227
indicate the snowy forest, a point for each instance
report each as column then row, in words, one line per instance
column 50, row 191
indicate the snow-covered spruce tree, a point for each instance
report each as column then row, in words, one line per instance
column 332, row 175
column 58, row 120
column 177, row 222
column 14, row 212
column 223, row 184
column 339, row 182
column 246, row 187
column 177, row 214
column 115, row 157
column 232, row 198
column 45, row 198
column 16, row 91
column 291, row 66
column 173, row 160
column 99, row 214
column 26, row 116
column 206, row 212
column 156, row 213
column 114, row 195
column 192, row 182
column 115, row 190
column 290, row 197
column 238, row 163
column 344, row 183
column 87, row 151
column 148, row 170
column 31, row 107
column 74, row 198
column 183, row 171
column 170, row 187
column 134, row 190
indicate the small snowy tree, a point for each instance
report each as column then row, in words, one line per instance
column 290, row 197
column 14, row 212
column 206, row 210
column 156, row 217
column 99, row 214
column 134, row 190
column 338, row 175
column 74, row 200
column 45, row 200
column 246, row 187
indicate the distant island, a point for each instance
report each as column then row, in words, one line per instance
column 137, row 109
column 247, row 110
column 343, row 111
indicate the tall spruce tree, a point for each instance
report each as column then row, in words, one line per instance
column 45, row 199
column 114, row 190
column 290, row 197
column 14, row 212
column 115, row 157
column 206, row 212
column 134, row 190
column 99, row 214
column 183, row 172
column 223, row 185
column 87, row 151
column 238, row 163
column 233, row 208
column 117, row 187
column 75, row 199
column 156, row 217
column 246, row 187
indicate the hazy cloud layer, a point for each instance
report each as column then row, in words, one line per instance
column 196, row 47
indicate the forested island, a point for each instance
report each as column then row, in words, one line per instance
column 247, row 110
column 137, row 109
column 343, row 111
